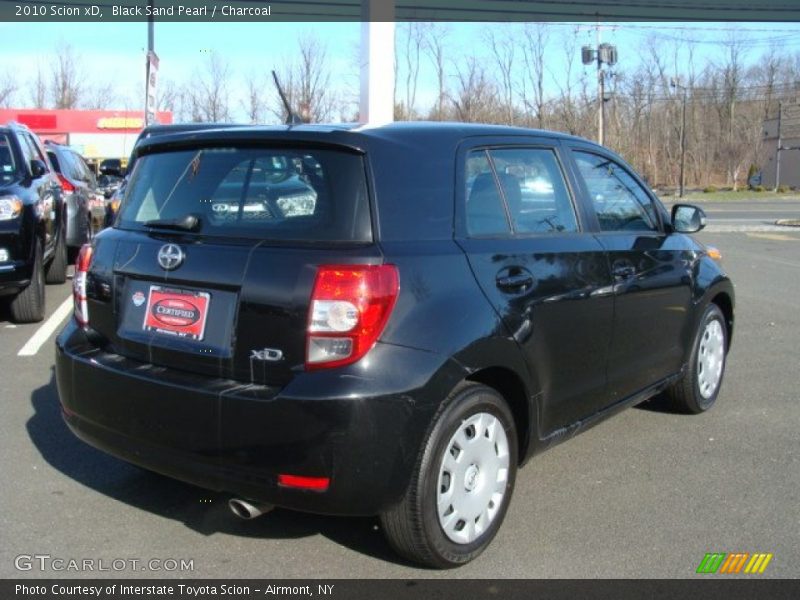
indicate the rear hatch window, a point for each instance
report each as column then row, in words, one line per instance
column 273, row 194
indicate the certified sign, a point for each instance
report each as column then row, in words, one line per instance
column 177, row 312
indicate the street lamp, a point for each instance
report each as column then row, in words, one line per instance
column 675, row 84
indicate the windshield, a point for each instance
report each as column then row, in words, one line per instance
column 265, row 193
column 8, row 167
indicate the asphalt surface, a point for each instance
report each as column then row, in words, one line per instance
column 645, row 494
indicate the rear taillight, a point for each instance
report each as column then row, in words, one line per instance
column 79, row 285
column 66, row 186
column 350, row 306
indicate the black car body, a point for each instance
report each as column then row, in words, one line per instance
column 355, row 345
column 32, row 223
column 79, row 190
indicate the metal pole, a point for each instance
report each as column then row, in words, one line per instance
column 778, row 151
column 601, row 117
column 150, row 50
column 683, row 145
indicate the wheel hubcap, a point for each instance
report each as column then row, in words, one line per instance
column 472, row 478
column 710, row 358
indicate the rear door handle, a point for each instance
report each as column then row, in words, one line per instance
column 514, row 279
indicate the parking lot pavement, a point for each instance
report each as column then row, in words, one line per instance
column 645, row 494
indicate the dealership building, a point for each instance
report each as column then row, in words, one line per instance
column 96, row 134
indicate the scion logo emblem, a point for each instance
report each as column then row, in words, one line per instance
column 170, row 257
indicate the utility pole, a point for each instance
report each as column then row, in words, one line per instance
column 676, row 84
column 602, row 54
column 778, row 151
column 151, row 71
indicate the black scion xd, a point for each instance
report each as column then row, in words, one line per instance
column 383, row 321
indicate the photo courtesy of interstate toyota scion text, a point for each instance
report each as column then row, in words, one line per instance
column 383, row 320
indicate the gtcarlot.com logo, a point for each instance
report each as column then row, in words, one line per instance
column 47, row 562
column 731, row 563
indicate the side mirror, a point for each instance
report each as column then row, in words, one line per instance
column 38, row 168
column 687, row 218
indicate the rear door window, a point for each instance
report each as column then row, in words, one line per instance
column 267, row 193
column 8, row 167
column 535, row 190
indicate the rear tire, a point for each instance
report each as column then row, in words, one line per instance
column 28, row 305
column 697, row 391
column 462, row 483
column 57, row 269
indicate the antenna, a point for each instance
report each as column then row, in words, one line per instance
column 292, row 118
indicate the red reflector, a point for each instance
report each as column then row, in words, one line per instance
column 318, row 484
column 65, row 184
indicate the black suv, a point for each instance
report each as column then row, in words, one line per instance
column 32, row 231
column 383, row 321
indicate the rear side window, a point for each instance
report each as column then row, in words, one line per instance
column 51, row 154
column 534, row 189
column 8, row 166
column 619, row 201
column 486, row 214
column 517, row 191
column 265, row 193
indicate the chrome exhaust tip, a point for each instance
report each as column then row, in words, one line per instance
column 246, row 509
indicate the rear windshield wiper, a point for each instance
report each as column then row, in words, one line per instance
column 187, row 223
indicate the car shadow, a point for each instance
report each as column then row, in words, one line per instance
column 659, row 403
column 201, row 510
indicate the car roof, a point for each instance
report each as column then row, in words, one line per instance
column 353, row 135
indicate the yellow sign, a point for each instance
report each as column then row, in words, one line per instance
column 120, row 123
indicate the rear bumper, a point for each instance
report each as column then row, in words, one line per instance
column 362, row 430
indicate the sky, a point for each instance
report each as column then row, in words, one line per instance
column 116, row 51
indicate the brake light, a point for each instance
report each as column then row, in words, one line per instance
column 79, row 285
column 350, row 306
column 66, row 186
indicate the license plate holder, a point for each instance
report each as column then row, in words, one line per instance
column 176, row 312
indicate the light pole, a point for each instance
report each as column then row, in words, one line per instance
column 603, row 54
column 151, row 70
column 674, row 83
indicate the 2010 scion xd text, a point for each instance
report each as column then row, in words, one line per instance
column 383, row 321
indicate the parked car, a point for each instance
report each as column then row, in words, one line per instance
column 32, row 224
column 79, row 190
column 393, row 331
column 112, row 166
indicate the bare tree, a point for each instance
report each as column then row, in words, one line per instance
column 208, row 97
column 8, row 88
column 534, row 46
column 413, row 38
column 37, row 89
column 255, row 104
column 436, row 48
column 474, row 99
column 66, row 78
column 100, row 97
column 306, row 83
column 503, row 47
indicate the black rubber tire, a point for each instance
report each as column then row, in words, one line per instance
column 412, row 526
column 684, row 395
column 57, row 269
column 28, row 305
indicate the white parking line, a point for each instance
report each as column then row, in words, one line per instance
column 46, row 330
